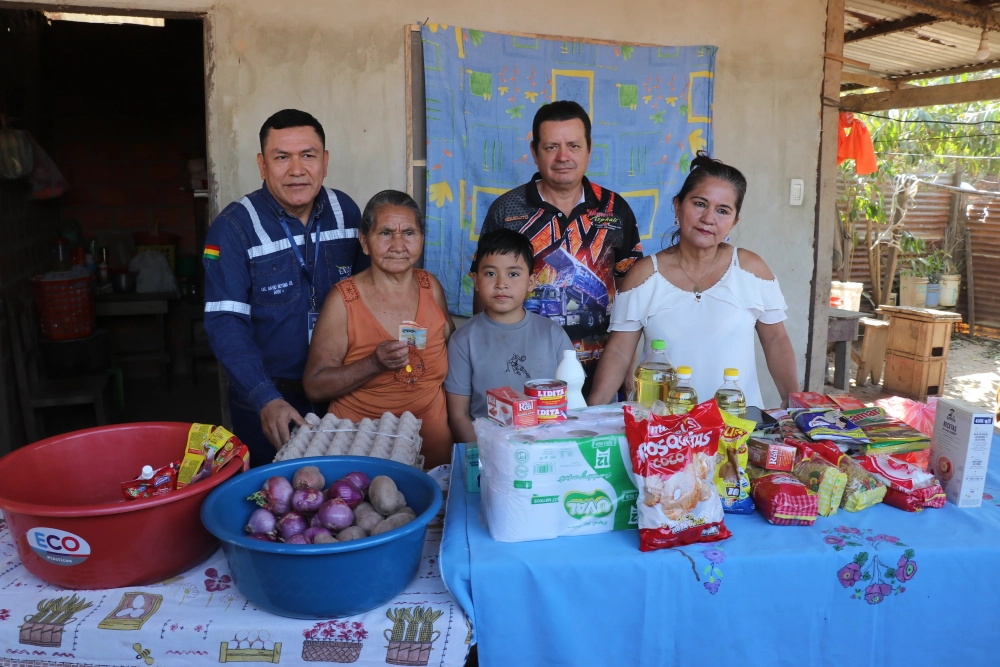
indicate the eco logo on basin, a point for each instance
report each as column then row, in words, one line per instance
column 580, row 505
column 58, row 547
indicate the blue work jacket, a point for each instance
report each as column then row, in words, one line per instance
column 257, row 294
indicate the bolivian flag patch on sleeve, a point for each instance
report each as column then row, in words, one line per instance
column 211, row 252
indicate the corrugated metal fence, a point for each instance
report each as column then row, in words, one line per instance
column 928, row 220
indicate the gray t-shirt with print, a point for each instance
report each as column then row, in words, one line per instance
column 483, row 354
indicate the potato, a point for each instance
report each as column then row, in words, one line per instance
column 394, row 521
column 384, row 496
column 352, row 533
column 323, row 538
column 368, row 520
column 407, row 510
column 361, row 509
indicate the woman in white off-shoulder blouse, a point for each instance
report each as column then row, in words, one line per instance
column 703, row 297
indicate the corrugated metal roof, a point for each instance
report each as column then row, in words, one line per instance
column 940, row 45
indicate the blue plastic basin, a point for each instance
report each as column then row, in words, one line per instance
column 322, row 580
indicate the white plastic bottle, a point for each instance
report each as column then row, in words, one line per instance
column 147, row 473
column 570, row 371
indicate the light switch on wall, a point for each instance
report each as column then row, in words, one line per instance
column 797, row 192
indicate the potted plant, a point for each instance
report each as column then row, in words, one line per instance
column 934, row 268
column 912, row 280
column 951, row 266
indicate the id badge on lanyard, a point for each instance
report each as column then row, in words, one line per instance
column 313, row 315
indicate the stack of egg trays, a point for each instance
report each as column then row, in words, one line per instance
column 389, row 437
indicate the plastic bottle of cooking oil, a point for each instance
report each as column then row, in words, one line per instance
column 682, row 396
column 729, row 396
column 653, row 377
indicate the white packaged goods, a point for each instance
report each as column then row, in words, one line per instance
column 559, row 478
column 961, row 450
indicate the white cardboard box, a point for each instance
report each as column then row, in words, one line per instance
column 961, row 450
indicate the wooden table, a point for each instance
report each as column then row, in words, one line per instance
column 842, row 330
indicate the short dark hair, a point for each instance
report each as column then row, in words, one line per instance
column 703, row 166
column 558, row 111
column 388, row 198
column 290, row 118
column 504, row 242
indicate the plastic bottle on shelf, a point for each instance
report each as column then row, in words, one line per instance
column 729, row 396
column 653, row 377
column 682, row 396
column 570, row 371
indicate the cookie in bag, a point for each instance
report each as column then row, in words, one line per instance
column 731, row 467
column 673, row 460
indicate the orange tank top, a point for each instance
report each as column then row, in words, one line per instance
column 420, row 390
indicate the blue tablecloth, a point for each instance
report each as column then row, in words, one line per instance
column 877, row 587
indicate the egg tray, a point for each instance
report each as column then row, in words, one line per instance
column 389, row 437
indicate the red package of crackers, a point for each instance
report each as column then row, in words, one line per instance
column 511, row 408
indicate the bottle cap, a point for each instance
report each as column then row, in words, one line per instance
column 684, row 370
column 731, row 373
column 658, row 345
column 147, row 472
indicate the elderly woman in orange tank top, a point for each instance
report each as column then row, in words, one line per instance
column 356, row 360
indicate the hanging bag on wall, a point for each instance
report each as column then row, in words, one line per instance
column 17, row 158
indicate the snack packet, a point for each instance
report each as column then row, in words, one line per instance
column 845, row 402
column 821, row 423
column 730, row 469
column 194, row 453
column 822, row 478
column 809, row 399
column 157, row 482
column 782, row 499
column 770, row 454
column 862, row 489
column 910, row 488
column 673, row 461
column 917, row 501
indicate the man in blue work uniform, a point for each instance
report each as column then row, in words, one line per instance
column 270, row 259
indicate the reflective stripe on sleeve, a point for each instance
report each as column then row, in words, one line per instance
column 255, row 219
column 338, row 214
column 227, row 307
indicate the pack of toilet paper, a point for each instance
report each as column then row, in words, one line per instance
column 559, row 478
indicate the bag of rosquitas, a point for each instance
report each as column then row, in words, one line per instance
column 673, row 460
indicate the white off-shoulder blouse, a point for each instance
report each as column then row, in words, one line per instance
column 708, row 332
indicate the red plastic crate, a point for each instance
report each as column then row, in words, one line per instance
column 65, row 307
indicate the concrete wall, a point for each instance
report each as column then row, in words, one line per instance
column 343, row 61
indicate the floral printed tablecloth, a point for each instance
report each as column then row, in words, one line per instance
column 877, row 587
column 200, row 618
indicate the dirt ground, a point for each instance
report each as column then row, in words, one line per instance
column 973, row 373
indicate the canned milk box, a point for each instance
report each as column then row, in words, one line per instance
column 559, row 478
column 961, row 450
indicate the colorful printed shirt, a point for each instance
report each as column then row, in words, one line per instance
column 577, row 259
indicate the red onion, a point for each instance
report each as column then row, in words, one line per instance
column 335, row 514
column 264, row 537
column 261, row 521
column 314, row 521
column 308, row 477
column 291, row 524
column 275, row 495
column 346, row 491
column 311, row 533
column 307, row 500
column 359, row 479
column 298, row 539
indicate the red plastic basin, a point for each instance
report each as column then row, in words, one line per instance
column 62, row 501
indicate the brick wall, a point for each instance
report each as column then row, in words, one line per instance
column 129, row 112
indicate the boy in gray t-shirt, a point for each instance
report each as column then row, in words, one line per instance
column 505, row 345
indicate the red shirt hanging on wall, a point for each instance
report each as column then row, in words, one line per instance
column 856, row 145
